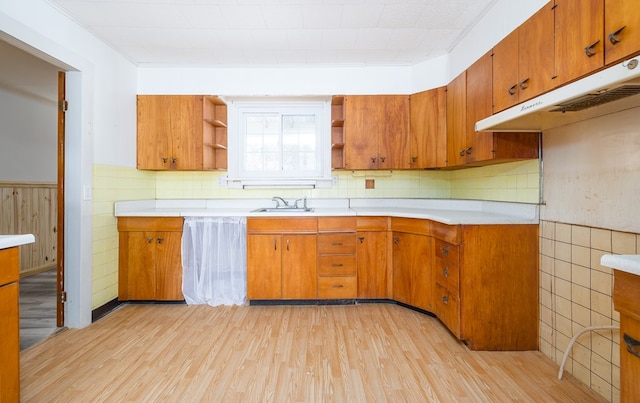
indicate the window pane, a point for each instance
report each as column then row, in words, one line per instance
column 281, row 143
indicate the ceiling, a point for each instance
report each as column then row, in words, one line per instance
column 278, row 33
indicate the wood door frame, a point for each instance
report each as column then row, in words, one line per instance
column 62, row 107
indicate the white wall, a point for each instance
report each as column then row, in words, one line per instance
column 101, row 88
column 591, row 173
column 28, row 112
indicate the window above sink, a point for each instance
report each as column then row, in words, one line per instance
column 279, row 143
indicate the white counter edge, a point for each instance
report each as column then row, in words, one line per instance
column 626, row 263
column 450, row 212
column 9, row 241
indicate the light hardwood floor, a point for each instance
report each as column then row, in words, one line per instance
column 353, row 353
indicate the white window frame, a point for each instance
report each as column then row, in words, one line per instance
column 238, row 177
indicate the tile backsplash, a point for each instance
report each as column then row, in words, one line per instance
column 575, row 293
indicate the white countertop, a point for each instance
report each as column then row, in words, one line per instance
column 9, row 241
column 627, row 263
column 446, row 211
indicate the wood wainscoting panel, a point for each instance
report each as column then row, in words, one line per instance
column 31, row 208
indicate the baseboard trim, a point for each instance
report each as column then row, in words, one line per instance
column 105, row 309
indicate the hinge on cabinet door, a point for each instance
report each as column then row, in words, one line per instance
column 63, row 105
column 62, row 297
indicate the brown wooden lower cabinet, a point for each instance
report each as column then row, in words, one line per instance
column 626, row 300
column 281, row 258
column 150, row 263
column 481, row 281
column 9, row 326
column 486, row 284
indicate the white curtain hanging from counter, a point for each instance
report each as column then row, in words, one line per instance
column 214, row 262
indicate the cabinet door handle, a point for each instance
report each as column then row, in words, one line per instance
column 287, row 245
column 361, row 239
column 632, row 345
column 589, row 49
column 445, row 300
column 396, row 240
column 149, row 239
column 275, row 244
column 445, row 272
column 336, row 265
column 445, row 251
column 160, row 240
column 414, row 159
column 382, row 159
column 524, row 83
column 462, row 152
column 613, row 37
column 467, row 150
column 373, row 160
column 512, row 89
column 164, row 160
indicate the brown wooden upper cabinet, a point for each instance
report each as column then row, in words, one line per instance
column 578, row 38
column 468, row 101
column 621, row 29
column 428, row 129
column 181, row 132
column 376, row 132
column 523, row 62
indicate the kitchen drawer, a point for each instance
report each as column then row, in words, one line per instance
column 275, row 225
column 334, row 244
column 337, row 287
column 447, row 233
column 446, row 274
column 136, row 224
column 337, row 265
column 446, row 308
column 9, row 272
column 447, row 251
column 337, row 224
column 410, row 225
column 372, row 223
column 626, row 298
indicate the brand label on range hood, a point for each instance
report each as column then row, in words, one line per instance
column 527, row 106
column 608, row 91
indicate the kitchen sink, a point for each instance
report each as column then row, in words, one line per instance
column 283, row 210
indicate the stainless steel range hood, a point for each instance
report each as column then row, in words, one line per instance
column 611, row 90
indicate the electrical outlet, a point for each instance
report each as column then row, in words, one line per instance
column 369, row 183
column 334, row 180
column 222, row 181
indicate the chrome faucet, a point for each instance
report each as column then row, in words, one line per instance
column 278, row 200
column 304, row 203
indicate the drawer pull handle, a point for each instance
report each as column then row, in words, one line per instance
column 337, row 286
column 613, row 37
column 445, row 272
column 445, row 251
column 336, row 265
column 336, row 244
column 445, row 300
column 632, row 345
column 589, row 49
column 512, row 89
column 361, row 239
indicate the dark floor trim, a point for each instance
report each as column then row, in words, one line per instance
column 103, row 310
column 275, row 302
